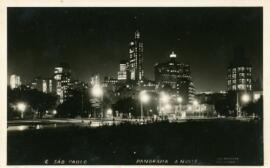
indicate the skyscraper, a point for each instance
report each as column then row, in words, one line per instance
column 176, row 76
column 136, row 58
column 51, row 85
column 62, row 75
column 15, row 81
column 239, row 72
column 239, row 80
column 122, row 74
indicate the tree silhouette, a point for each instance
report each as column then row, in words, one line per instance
column 37, row 101
column 76, row 105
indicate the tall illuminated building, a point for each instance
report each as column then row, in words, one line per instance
column 51, row 85
column 15, row 81
column 239, row 72
column 122, row 74
column 177, row 77
column 239, row 80
column 62, row 75
column 136, row 58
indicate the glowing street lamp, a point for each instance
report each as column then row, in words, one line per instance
column 144, row 98
column 180, row 100
column 164, row 98
column 109, row 112
column 54, row 112
column 21, row 107
column 195, row 103
column 189, row 108
column 98, row 92
column 245, row 98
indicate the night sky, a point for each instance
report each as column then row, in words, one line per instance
column 94, row 40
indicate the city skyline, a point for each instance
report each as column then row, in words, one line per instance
column 98, row 46
column 135, row 86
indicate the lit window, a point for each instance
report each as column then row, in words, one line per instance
column 256, row 96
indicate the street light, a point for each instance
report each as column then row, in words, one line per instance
column 54, row 112
column 245, row 98
column 109, row 112
column 195, row 104
column 180, row 100
column 144, row 98
column 21, row 107
column 164, row 98
column 98, row 92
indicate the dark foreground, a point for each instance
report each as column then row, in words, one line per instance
column 219, row 142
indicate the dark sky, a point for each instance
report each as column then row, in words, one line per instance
column 94, row 40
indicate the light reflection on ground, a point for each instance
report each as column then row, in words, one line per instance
column 22, row 125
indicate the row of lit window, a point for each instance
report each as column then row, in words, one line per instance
column 242, row 81
column 171, row 71
column 240, row 75
column 240, row 69
column 248, row 87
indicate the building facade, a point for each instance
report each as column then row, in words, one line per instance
column 176, row 76
column 62, row 76
column 211, row 97
column 15, row 81
column 239, row 81
column 45, row 85
column 122, row 74
column 78, row 85
column 136, row 58
column 239, row 73
column 110, row 81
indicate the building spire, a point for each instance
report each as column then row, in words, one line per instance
column 172, row 55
